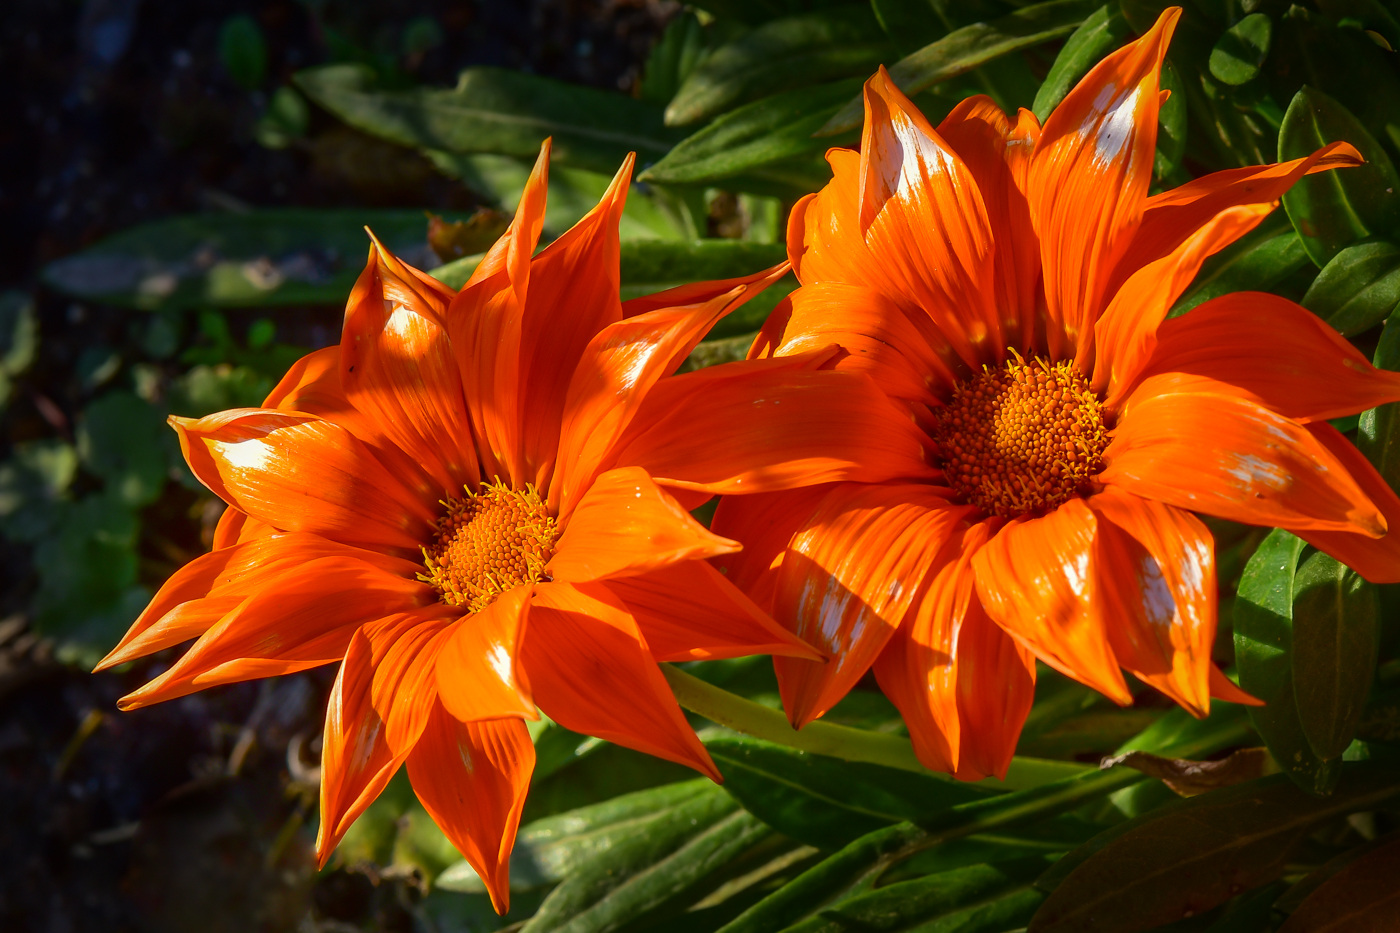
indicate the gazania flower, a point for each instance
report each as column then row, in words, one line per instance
column 1007, row 285
column 444, row 504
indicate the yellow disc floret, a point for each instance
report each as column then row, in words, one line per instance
column 1023, row 437
column 490, row 541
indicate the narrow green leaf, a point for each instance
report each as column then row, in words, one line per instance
column 1264, row 653
column 1333, row 209
column 1358, row 288
column 964, row 49
column 1103, row 31
column 793, row 52
column 672, row 59
column 1241, row 51
column 1335, row 643
column 1256, row 262
column 1193, row 854
column 496, row 110
column 753, row 136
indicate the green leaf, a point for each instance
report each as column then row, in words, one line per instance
column 1190, row 855
column 243, row 51
column 793, row 52
column 1378, row 429
column 284, row 121
column 263, row 258
column 1171, row 125
column 755, row 12
column 1335, row 643
column 1358, row 288
column 976, row 898
column 1241, row 51
column 498, row 111
column 1103, row 31
column 672, row 59
column 1363, row 895
column 121, row 438
column 33, row 484
column 752, row 137
column 964, row 49
column 1047, row 837
column 1258, row 261
column 1264, row 653
column 826, row 802
column 1331, row 210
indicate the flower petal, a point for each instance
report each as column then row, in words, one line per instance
column 593, row 673
column 1282, row 355
column 404, row 653
column 626, row 524
column 847, row 579
column 356, row 761
column 1088, row 180
column 784, row 426
column 764, row 524
column 1221, row 453
column 996, row 687
column 1038, row 579
column 1376, row 560
column 300, row 473
column 690, row 612
column 925, row 223
column 472, row 779
column 1124, row 338
column 397, row 367
column 1157, row 563
column 478, row 667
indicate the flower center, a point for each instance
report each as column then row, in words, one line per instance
column 492, row 540
column 1026, row 436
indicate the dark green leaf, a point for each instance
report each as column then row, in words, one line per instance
column 1371, row 14
column 1046, row 837
column 1171, row 126
column 285, row 119
column 1378, row 430
column 823, row 801
column 797, row 51
column 1358, row 288
column 1264, row 652
column 964, row 49
column 1101, row 33
column 755, row 12
column 1241, row 51
column 243, row 51
column 1361, row 896
column 1256, row 262
column 497, row 111
column 1333, row 209
column 120, row 438
column 1193, row 854
column 755, row 135
column 675, row 55
column 33, row 483
column 1335, row 641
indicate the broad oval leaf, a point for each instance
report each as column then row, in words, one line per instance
column 1362, row 896
column 1103, row 31
column 1191, row 855
column 796, row 51
column 1331, row 210
column 1336, row 631
column 1378, row 429
column 1358, row 288
column 1241, row 51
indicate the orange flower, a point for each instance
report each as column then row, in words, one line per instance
column 1007, row 286
column 443, row 504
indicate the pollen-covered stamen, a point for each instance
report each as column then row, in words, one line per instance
column 490, row 541
column 1023, row 437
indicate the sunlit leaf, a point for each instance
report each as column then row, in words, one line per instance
column 1240, row 52
column 1359, row 286
column 1103, row 31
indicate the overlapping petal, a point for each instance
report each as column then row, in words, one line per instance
column 1376, row 560
column 478, row 673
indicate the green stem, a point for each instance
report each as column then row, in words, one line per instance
column 822, row 738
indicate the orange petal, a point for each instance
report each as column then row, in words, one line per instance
column 404, row 652
column 228, row 528
column 397, row 367
column 1124, row 338
column 996, row 687
column 1282, row 355
column 478, row 668
column 847, row 579
column 763, row 524
column 620, row 366
column 1039, row 580
column 1174, row 215
column 305, row 620
column 691, row 612
column 593, row 673
column 1157, row 565
column 997, row 153
column 1223, row 688
column 1220, row 453
column 625, row 524
column 573, row 295
column 825, row 240
column 877, row 336
column 1376, row 560
column 925, row 222
column 472, row 779
column 918, row 668
column 1088, row 180
column 356, row 761
column 300, row 473
column 784, row 426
